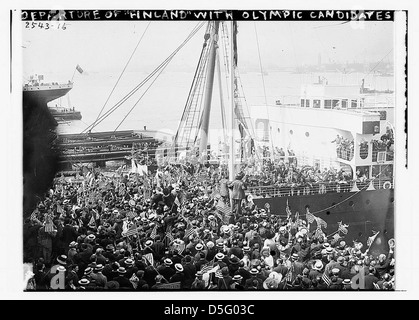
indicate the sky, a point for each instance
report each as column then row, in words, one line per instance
column 102, row 46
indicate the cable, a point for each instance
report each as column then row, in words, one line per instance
column 120, row 76
column 126, row 97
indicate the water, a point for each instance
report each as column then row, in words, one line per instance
column 162, row 105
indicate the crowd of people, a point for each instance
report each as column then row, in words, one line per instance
column 175, row 230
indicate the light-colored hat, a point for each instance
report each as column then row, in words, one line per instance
column 84, row 282
column 199, row 246
column 148, row 243
column 335, row 271
column 220, row 256
column 129, row 262
column 178, row 267
column 237, row 277
column 254, row 271
column 210, row 244
column 318, row 265
column 168, row 262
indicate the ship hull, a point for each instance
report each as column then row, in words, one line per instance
column 364, row 211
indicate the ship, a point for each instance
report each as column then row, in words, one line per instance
column 309, row 130
column 341, row 127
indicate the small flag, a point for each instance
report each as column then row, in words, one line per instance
column 49, row 225
column 60, row 209
column 79, row 69
column 153, row 233
column 343, row 227
column 310, row 217
column 131, row 230
column 190, row 232
column 376, row 286
column 223, row 208
column 218, row 274
column 134, row 280
column 131, row 214
column 177, row 202
column 149, row 257
column 372, row 238
column 321, row 222
column 326, row 279
column 208, row 267
column 92, row 222
column 336, row 237
column 34, row 214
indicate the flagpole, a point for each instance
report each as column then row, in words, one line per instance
column 73, row 74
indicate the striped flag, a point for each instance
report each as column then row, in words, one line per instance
column 169, row 234
column 131, row 230
column 34, row 214
column 149, row 257
column 153, row 233
column 131, row 214
column 321, row 222
column 326, row 279
column 49, row 225
column 371, row 239
column 223, row 207
column 310, row 217
column 218, row 274
column 208, row 267
column 190, row 232
column 79, row 69
column 343, row 227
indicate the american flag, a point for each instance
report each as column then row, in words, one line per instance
column 131, row 214
column 310, row 217
column 321, row 222
column 131, row 230
column 223, row 208
column 153, row 233
column 218, row 274
column 49, row 225
column 372, row 238
column 343, row 227
column 208, row 267
column 190, row 232
column 34, row 214
column 169, row 233
column 326, row 279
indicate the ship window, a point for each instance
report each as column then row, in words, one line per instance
column 291, row 132
column 307, row 103
column 335, row 104
column 344, row 103
column 327, row 104
column 279, row 130
column 307, row 134
column 316, row 103
column 302, row 103
column 354, row 103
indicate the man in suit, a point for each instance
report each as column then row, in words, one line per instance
column 237, row 188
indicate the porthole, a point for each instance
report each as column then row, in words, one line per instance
column 368, row 201
column 307, row 134
column 291, row 132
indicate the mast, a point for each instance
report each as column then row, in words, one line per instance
column 208, row 94
column 231, row 156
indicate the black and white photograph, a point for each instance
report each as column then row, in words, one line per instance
column 211, row 150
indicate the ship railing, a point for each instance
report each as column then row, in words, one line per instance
column 286, row 190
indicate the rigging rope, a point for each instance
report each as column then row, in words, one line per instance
column 126, row 97
column 123, row 71
column 264, row 91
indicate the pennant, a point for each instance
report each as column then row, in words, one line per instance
column 149, row 257
column 134, row 280
column 371, row 239
column 177, row 202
